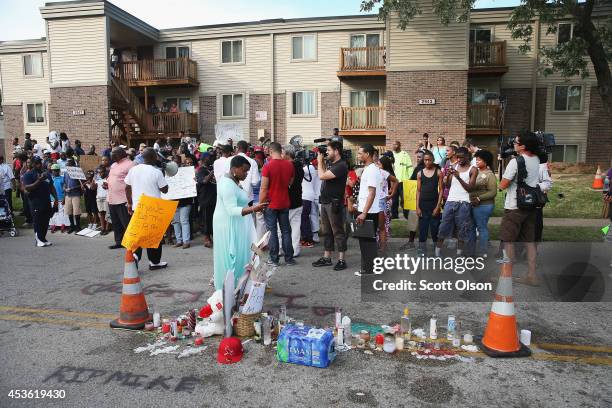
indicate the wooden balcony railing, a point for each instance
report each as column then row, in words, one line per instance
column 362, row 59
column 483, row 116
column 168, row 122
column 122, row 90
column 488, row 54
column 370, row 117
column 158, row 71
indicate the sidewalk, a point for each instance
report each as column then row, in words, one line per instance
column 565, row 222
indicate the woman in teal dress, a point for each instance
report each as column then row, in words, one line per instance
column 234, row 233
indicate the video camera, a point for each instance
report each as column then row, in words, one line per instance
column 546, row 141
column 346, row 154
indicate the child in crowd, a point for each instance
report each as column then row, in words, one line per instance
column 101, row 201
column 429, row 201
column 387, row 190
column 90, row 200
column 59, row 219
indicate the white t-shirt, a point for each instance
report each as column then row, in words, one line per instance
column 221, row 167
column 371, row 177
column 38, row 150
column 532, row 163
column 311, row 190
column 252, row 178
column 383, row 191
column 456, row 192
column 6, row 175
column 145, row 179
column 102, row 193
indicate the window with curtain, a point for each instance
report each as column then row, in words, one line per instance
column 177, row 52
column 565, row 32
column 32, row 65
column 480, row 35
column 365, row 40
column 303, row 47
column 231, row 52
column 568, row 98
column 564, row 153
column 36, row 112
column 233, row 105
column 303, row 103
column 365, row 98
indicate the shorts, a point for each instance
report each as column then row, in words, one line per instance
column 102, row 204
column 518, row 226
column 72, row 205
column 90, row 205
column 456, row 214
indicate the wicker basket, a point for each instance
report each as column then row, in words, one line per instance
column 244, row 326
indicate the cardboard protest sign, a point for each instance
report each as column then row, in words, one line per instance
column 181, row 185
column 75, row 173
column 87, row 162
column 149, row 223
column 254, row 302
column 410, row 188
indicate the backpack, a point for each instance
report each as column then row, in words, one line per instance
column 527, row 197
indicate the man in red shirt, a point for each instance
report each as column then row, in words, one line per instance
column 276, row 176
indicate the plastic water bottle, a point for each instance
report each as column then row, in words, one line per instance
column 606, row 184
column 433, row 327
column 451, row 327
column 405, row 325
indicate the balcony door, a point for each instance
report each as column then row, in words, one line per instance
column 365, row 112
column 175, row 69
column 365, row 58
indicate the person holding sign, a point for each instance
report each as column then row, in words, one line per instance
column 234, row 233
column 146, row 179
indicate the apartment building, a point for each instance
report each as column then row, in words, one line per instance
column 102, row 73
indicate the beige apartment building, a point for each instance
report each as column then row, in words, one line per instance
column 102, row 73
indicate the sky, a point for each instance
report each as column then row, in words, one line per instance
column 21, row 19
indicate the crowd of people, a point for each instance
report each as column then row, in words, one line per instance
column 244, row 191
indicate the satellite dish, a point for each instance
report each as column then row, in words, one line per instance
column 171, row 169
column 296, row 141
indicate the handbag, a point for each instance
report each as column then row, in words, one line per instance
column 365, row 230
column 527, row 197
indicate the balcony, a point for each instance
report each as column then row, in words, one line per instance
column 488, row 59
column 362, row 62
column 483, row 119
column 168, row 122
column 362, row 121
column 159, row 72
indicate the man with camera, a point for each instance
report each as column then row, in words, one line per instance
column 519, row 221
column 332, row 204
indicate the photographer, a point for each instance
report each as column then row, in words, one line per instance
column 519, row 224
column 332, row 205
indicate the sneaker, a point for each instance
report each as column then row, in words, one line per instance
column 40, row 244
column 186, row 245
column 322, row 261
column 290, row 262
column 160, row 265
column 94, row 227
column 116, row 246
column 307, row 244
column 47, row 243
column 340, row 265
column 177, row 245
column 270, row 262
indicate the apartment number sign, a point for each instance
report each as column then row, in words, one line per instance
column 261, row 116
column 78, row 112
column 426, row 101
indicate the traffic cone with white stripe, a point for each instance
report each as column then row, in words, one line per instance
column 501, row 337
column 133, row 311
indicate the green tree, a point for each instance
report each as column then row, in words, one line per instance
column 592, row 37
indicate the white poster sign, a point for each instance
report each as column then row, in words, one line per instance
column 75, row 173
column 182, row 185
column 254, row 302
column 225, row 131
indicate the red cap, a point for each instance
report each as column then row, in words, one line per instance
column 206, row 311
column 230, row 350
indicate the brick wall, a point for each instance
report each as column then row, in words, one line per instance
column 330, row 103
column 259, row 103
column 540, row 109
column 91, row 128
column 599, row 134
column 208, row 118
column 407, row 121
column 518, row 109
column 13, row 127
column 280, row 117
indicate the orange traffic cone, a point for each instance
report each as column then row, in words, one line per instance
column 598, row 181
column 133, row 311
column 501, row 335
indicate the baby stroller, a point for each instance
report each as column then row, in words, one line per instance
column 6, row 218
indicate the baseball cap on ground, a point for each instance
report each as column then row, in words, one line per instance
column 230, row 350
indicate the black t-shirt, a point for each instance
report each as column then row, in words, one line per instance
column 334, row 189
column 40, row 196
column 295, row 189
column 207, row 192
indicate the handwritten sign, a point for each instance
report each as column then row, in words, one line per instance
column 410, row 188
column 75, row 173
column 254, row 302
column 149, row 223
column 88, row 162
column 181, row 185
column 225, row 131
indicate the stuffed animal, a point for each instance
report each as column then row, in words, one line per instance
column 212, row 314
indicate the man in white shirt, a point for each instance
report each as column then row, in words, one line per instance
column 252, row 178
column 148, row 180
column 368, row 206
column 311, row 190
column 7, row 181
column 221, row 166
column 519, row 225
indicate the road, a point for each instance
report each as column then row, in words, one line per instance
column 54, row 335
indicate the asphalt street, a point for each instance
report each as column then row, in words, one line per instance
column 56, row 304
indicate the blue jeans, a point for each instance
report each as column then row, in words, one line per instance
column 180, row 223
column 428, row 223
column 481, row 215
column 272, row 217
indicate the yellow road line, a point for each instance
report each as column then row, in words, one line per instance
column 575, row 347
column 57, row 312
column 574, row 359
column 62, row 322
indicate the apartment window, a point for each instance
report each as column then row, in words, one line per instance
column 231, row 52
column 303, row 103
column 304, row 47
column 32, row 65
column 177, row 52
column 233, row 106
column 480, row 35
column 564, row 153
column 365, row 98
column 36, row 113
column 568, row 98
column 183, row 104
column 565, row 32
column 365, row 40
column 477, row 96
